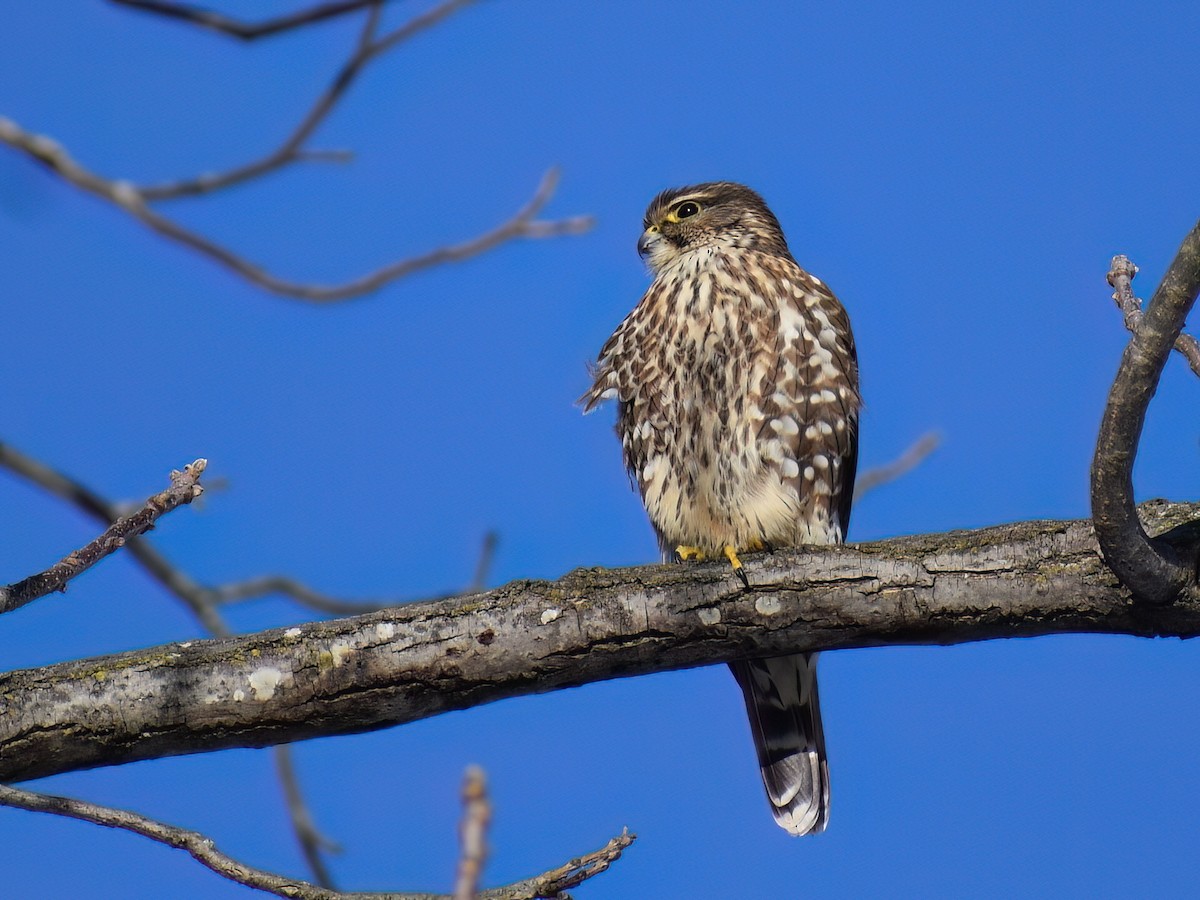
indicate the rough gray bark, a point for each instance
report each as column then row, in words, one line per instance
column 405, row 663
column 1155, row 572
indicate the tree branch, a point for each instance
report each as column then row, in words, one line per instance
column 205, row 851
column 1120, row 276
column 127, row 197
column 1154, row 571
column 136, row 200
column 185, row 487
column 312, row 842
column 202, row 601
column 472, row 834
column 421, row 659
column 291, row 149
column 247, row 31
column 900, row 466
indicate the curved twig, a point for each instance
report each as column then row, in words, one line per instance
column 137, row 199
column 1154, row 571
column 124, row 195
column 292, row 149
column 202, row 848
column 873, row 478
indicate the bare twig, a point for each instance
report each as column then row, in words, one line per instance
column 472, row 834
column 185, row 487
column 200, row 847
column 1120, row 276
column 205, row 851
column 200, row 599
column 302, row 594
column 196, row 596
column 1154, row 571
column 578, row 870
column 312, row 842
column 483, row 568
column 124, row 195
column 902, row 465
column 136, row 200
column 247, row 31
column 367, row 49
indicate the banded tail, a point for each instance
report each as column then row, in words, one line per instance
column 785, row 721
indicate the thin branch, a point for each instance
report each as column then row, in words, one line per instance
column 202, row 599
column 301, row 594
column 483, row 568
column 1154, row 571
column 367, row 49
column 902, row 465
column 523, row 224
column 421, row 659
column 136, row 200
column 185, row 487
column 1120, row 276
column 312, row 842
column 571, row 875
column 247, row 31
column 472, row 834
column 205, row 851
column 198, row 598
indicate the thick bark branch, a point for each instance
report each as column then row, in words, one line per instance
column 418, row 660
column 1156, row 572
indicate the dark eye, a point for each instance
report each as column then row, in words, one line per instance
column 687, row 209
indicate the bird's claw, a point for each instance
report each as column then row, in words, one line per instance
column 738, row 569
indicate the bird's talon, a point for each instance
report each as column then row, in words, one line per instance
column 686, row 553
column 738, row 568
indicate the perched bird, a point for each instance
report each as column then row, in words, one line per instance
column 737, row 396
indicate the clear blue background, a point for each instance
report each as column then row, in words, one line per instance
column 960, row 175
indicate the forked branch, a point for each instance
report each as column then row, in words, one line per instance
column 137, row 200
column 548, row 884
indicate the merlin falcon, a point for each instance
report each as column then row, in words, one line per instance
column 736, row 384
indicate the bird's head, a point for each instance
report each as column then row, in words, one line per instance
column 718, row 214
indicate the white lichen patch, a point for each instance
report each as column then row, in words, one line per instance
column 767, row 606
column 385, row 631
column 185, row 644
column 264, row 681
column 549, row 615
column 339, row 650
column 239, row 695
column 293, row 633
column 709, row 616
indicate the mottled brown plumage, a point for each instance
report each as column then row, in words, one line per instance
column 737, row 391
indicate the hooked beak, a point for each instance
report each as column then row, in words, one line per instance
column 649, row 237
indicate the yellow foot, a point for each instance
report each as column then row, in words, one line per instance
column 731, row 555
column 686, row 553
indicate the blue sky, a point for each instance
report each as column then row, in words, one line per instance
column 959, row 175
